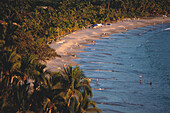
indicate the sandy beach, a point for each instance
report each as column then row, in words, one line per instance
column 73, row 43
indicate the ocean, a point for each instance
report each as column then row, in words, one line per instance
column 133, row 70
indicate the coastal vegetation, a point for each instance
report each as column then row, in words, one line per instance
column 26, row 29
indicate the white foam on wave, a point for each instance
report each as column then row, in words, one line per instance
column 167, row 29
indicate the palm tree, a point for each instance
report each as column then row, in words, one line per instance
column 72, row 78
column 54, row 94
column 78, row 90
column 87, row 104
column 13, row 84
column 10, row 62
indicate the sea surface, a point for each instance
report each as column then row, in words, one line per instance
column 133, row 70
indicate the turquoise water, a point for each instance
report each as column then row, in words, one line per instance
column 133, row 70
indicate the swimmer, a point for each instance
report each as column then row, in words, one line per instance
column 150, row 83
column 94, row 42
column 140, row 76
column 101, row 89
column 140, row 81
column 97, row 81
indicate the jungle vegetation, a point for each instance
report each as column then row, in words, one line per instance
column 26, row 27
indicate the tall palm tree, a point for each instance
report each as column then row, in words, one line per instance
column 78, row 90
column 12, row 83
column 72, row 78
column 54, row 94
column 10, row 62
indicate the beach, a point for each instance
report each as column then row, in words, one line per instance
column 73, row 43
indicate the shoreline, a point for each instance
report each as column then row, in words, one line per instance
column 73, row 43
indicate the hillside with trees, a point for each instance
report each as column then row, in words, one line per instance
column 26, row 30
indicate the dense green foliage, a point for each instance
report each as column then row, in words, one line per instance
column 42, row 20
column 57, row 92
column 25, row 28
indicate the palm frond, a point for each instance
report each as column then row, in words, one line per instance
column 32, row 58
column 16, row 65
column 94, row 110
column 92, row 103
column 14, row 57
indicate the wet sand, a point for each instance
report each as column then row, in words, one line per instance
column 73, row 43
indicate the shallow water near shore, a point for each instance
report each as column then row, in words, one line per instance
column 133, row 70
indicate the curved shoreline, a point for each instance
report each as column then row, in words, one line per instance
column 73, row 43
